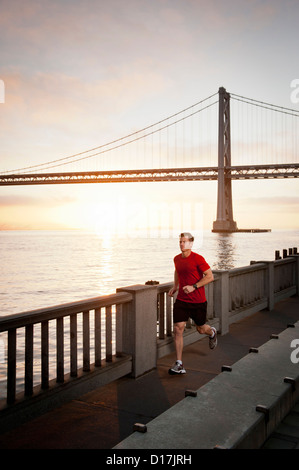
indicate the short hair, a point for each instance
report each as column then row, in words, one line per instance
column 187, row 235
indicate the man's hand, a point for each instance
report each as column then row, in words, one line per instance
column 172, row 291
column 188, row 289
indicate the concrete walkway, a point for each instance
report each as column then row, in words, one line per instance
column 104, row 417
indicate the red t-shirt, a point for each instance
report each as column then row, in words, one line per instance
column 190, row 270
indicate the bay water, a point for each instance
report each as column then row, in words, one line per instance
column 44, row 268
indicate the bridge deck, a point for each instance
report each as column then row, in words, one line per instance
column 290, row 170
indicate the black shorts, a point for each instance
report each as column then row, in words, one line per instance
column 182, row 311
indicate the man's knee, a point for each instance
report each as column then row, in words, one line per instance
column 178, row 329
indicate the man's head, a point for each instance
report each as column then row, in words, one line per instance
column 187, row 235
column 186, row 241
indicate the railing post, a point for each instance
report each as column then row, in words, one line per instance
column 86, row 342
column 108, row 320
column 221, row 300
column 29, row 360
column 11, row 365
column 59, row 350
column 73, row 344
column 97, row 337
column 45, row 354
column 270, row 284
column 139, row 327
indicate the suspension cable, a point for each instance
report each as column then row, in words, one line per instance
column 54, row 163
column 130, row 141
column 261, row 104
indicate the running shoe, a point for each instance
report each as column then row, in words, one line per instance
column 213, row 341
column 177, row 369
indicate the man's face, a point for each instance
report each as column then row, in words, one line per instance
column 185, row 244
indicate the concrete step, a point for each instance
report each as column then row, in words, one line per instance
column 239, row 408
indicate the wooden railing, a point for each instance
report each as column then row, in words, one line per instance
column 285, row 277
column 261, row 285
column 127, row 330
column 66, row 318
column 235, row 294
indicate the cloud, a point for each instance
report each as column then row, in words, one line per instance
column 91, row 35
column 48, row 116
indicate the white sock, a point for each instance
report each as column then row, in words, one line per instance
column 180, row 362
column 213, row 334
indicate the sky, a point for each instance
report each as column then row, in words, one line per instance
column 76, row 74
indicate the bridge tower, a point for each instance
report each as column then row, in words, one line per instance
column 224, row 221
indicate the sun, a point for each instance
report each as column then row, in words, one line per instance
column 103, row 210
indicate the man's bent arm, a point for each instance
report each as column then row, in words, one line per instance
column 207, row 278
column 175, row 284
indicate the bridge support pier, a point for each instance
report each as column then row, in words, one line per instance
column 224, row 221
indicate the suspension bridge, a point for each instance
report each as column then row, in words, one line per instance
column 188, row 146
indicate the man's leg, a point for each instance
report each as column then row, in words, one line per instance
column 178, row 330
column 205, row 330
column 211, row 332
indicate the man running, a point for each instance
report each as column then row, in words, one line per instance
column 192, row 273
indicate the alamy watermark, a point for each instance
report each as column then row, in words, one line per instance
column 2, row 92
column 150, row 220
column 295, row 353
column 294, row 96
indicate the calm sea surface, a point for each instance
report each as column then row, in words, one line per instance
column 45, row 268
